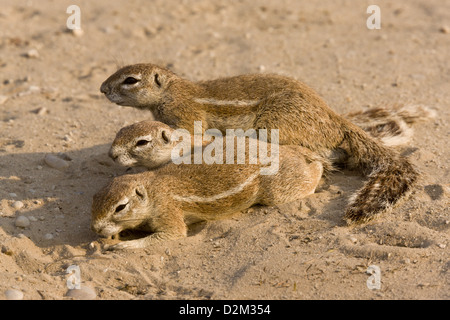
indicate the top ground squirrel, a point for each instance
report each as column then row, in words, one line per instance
column 264, row 101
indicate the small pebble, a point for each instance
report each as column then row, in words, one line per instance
column 12, row 195
column 48, row 236
column 77, row 32
column 13, row 294
column 30, row 90
column 33, row 53
column 41, row 111
column 64, row 156
column 3, row 99
column 22, row 222
column 84, row 293
column 445, row 29
column 353, row 239
column 34, row 89
column 55, row 162
column 7, row 251
column 32, row 219
column 17, row 205
column 441, row 245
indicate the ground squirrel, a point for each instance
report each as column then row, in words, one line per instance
column 150, row 143
column 269, row 102
column 164, row 201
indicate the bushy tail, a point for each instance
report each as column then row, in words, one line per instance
column 391, row 177
column 391, row 125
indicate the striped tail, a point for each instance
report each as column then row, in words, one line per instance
column 391, row 177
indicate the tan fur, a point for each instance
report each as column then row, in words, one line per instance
column 268, row 102
column 166, row 200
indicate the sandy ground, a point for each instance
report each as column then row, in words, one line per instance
column 50, row 104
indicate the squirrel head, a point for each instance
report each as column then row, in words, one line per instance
column 145, row 143
column 120, row 205
column 138, row 85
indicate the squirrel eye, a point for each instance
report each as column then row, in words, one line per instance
column 121, row 207
column 130, row 80
column 142, row 143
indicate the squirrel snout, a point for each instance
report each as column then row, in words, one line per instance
column 104, row 88
column 95, row 228
column 112, row 155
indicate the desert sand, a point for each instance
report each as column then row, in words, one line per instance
column 50, row 104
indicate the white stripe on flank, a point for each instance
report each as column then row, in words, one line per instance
column 222, row 195
column 227, row 102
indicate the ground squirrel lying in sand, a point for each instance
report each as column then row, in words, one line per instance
column 269, row 102
column 164, row 201
column 150, row 143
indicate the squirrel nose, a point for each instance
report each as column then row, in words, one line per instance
column 104, row 88
column 95, row 228
column 112, row 155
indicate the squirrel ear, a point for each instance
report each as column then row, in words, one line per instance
column 165, row 136
column 140, row 192
column 157, row 79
